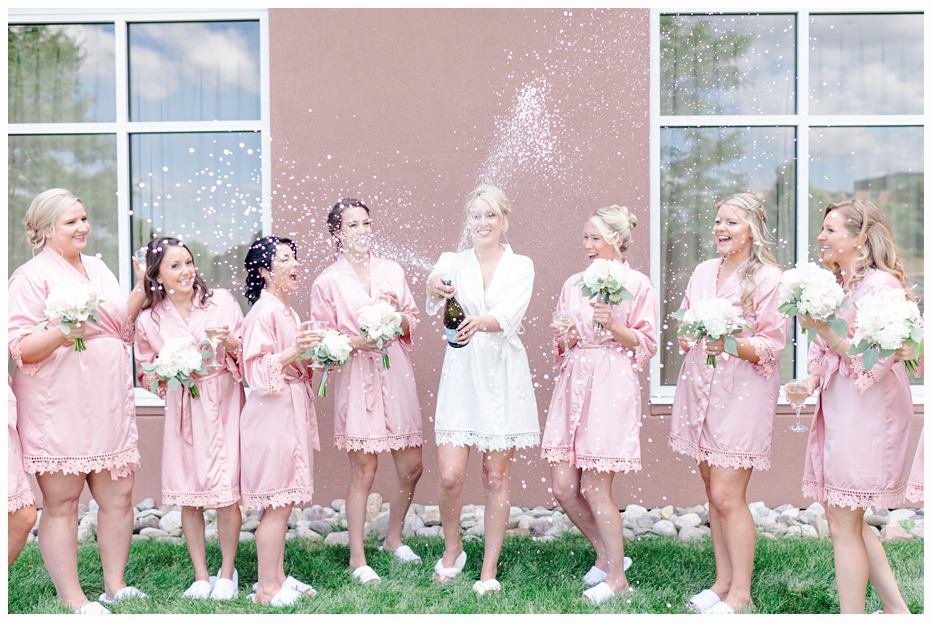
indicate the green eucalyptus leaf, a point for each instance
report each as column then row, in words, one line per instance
column 154, row 386
column 173, row 384
column 870, row 357
column 40, row 327
column 838, row 325
column 810, row 336
column 731, row 345
column 625, row 294
column 679, row 315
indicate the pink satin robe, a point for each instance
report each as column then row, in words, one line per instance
column 724, row 415
column 915, row 488
column 857, row 452
column 595, row 412
column 76, row 410
column 278, row 426
column 19, row 490
column 374, row 409
column 200, row 444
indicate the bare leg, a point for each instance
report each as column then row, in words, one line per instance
column 228, row 527
column 852, row 565
column 408, row 469
column 881, row 576
column 453, row 461
column 362, row 474
column 192, row 520
column 597, row 488
column 728, row 496
column 722, row 563
column 114, row 525
column 496, row 469
column 270, row 550
column 18, row 525
column 58, row 534
column 567, row 489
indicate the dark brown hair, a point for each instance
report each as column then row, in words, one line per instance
column 155, row 294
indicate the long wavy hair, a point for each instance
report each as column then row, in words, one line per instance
column 260, row 256
column 761, row 243
column 154, row 292
column 879, row 251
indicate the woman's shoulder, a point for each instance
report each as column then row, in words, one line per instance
column 771, row 274
column 521, row 261
column 708, row 266
column 875, row 280
column 389, row 265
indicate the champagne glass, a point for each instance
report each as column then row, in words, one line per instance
column 140, row 256
column 695, row 349
column 318, row 328
column 213, row 329
column 562, row 320
column 796, row 393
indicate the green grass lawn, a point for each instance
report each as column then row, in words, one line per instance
column 790, row 576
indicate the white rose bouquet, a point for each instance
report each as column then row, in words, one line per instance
column 713, row 319
column 177, row 363
column 71, row 303
column 380, row 323
column 605, row 280
column 810, row 289
column 334, row 350
column 884, row 322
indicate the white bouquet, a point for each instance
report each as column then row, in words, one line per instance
column 380, row 323
column 713, row 319
column 70, row 303
column 334, row 350
column 810, row 289
column 884, row 322
column 177, row 363
column 605, row 280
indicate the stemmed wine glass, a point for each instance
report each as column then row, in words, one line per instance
column 562, row 320
column 318, row 328
column 796, row 393
column 695, row 349
column 213, row 329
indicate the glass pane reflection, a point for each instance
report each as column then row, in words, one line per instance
column 205, row 189
column 61, row 73
column 727, row 64
column 700, row 166
column 85, row 165
column 194, row 71
column 866, row 64
column 880, row 164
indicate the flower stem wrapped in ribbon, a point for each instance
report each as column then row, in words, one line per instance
column 334, row 350
column 605, row 280
column 380, row 322
column 811, row 290
column 177, row 363
column 713, row 319
column 885, row 321
column 71, row 303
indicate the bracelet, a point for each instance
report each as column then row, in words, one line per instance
column 835, row 345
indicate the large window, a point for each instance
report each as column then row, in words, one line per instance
column 800, row 108
column 159, row 121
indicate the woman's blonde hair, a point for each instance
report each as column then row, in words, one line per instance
column 44, row 211
column 755, row 215
column 879, row 250
column 494, row 197
column 615, row 224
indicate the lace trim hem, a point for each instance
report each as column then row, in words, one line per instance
column 25, row 497
column 766, row 359
column 205, row 499
column 272, row 370
column 641, row 354
column 915, row 493
column 146, row 382
column 599, row 463
column 17, row 354
column 715, row 458
column 487, row 442
column 128, row 334
column 120, row 463
column 864, row 379
column 294, row 495
column 853, row 499
column 378, row 444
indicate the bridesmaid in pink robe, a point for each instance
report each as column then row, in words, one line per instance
column 593, row 427
column 76, row 411
column 723, row 416
column 915, row 487
column 375, row 409
column 20, row 500
column 200, row 445
column 278, row 426
column 857, row 455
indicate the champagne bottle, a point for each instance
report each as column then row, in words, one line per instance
column 453, row 316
